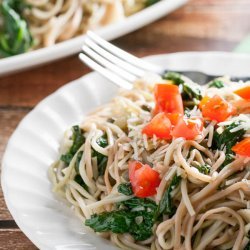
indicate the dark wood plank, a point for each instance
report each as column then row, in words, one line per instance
column 8, row 224
column 4, row 212
column 27, row 88
column 9, row 119
column 14, row 239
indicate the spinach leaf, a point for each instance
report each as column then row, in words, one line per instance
column 15, row 37
column 80, row 181
column 247, row 247
column 66, row 158
column 137, row 217
column 78, row 140
column 166, row 205
column 151, row 2
column 173, row 76
column 115, row 221
column 125, row 188
column 148, row 205
column 78, row 177
column 146, row 107
column 227, row 140
column 187, row 112
column 216, row 84
column 229, row 158
column 204, row 169
column 144, row 209
column 78, row 159
column 102, row 141
column 101, row 159
column 190, row 94
column 18, row 5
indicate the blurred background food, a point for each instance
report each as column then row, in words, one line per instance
column 31, row 24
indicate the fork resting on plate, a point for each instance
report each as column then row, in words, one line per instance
column 123, row 69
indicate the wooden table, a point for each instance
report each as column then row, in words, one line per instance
column 201, row 25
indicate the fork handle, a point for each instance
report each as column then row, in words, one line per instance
column 237, row 79
column 202, row 78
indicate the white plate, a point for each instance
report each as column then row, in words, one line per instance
column 63, row 49
column 34, row 146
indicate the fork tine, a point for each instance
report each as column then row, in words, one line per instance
column 123, row 54
column 107, row 64
column 114, row 59
column 105, row 72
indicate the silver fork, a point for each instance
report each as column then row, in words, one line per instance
column 123, row 68
column 114, row 63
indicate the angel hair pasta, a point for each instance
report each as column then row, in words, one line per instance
column 163, row 166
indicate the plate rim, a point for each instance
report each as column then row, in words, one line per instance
column 4, row 165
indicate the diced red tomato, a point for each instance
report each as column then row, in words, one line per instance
column 242, row 106
column 174, row 118
column 216, row 108
column 160, row 126
column 168, row 99
column 243, row 147
column 143, row 178
column 243, row 92
column 188, row 128
column 133, row 167
column 203, row 101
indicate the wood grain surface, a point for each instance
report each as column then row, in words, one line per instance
column 201, row 25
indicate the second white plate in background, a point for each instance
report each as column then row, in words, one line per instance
column 71, row 46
